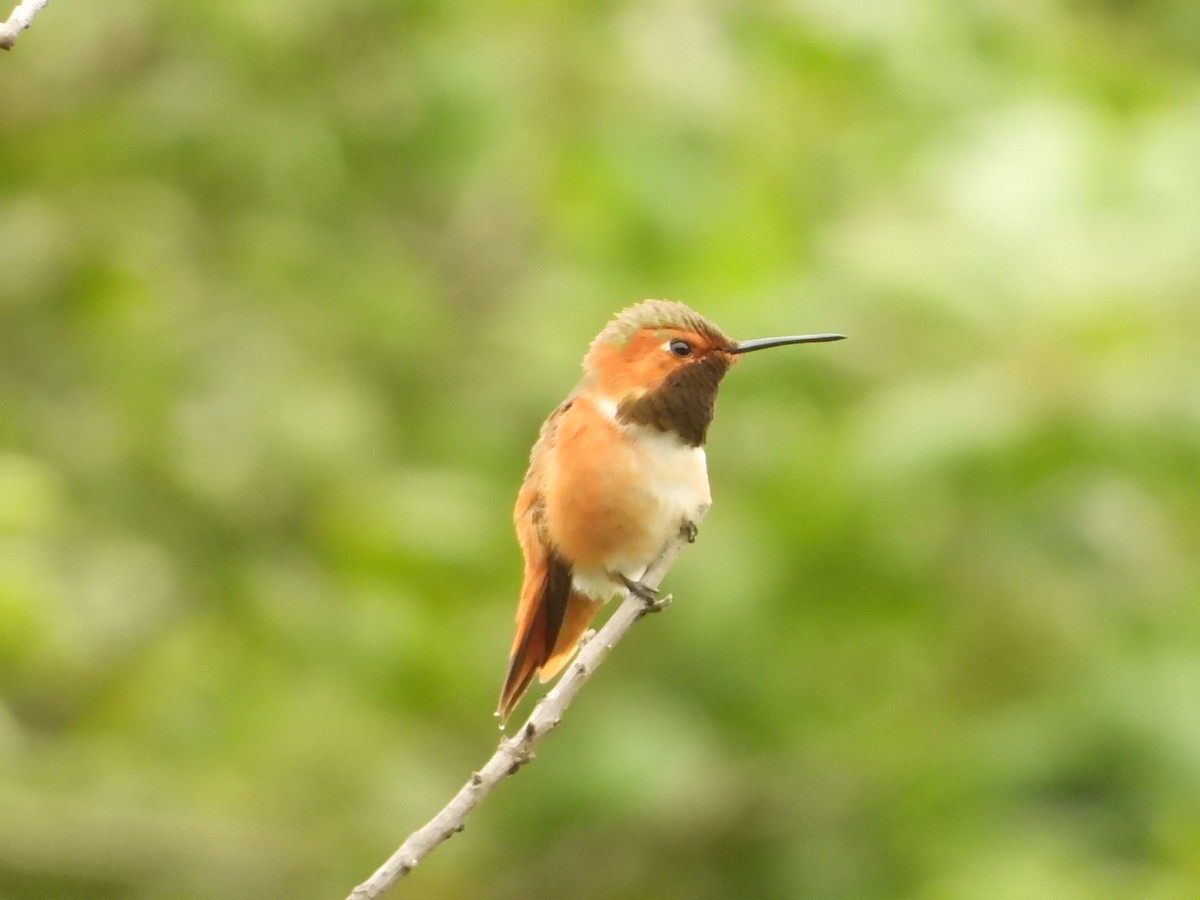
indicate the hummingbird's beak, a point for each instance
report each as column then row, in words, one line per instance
column 764, row 343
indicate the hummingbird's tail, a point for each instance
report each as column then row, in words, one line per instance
column 551, row 618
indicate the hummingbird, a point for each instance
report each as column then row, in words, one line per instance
column 617, row 471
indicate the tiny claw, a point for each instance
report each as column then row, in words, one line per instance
column 689, row 530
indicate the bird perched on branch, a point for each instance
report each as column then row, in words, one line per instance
column 617, row 471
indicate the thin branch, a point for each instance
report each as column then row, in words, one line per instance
column 517, row 750
column 21, row 18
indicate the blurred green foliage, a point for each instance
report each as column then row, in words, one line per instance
column 286, row 289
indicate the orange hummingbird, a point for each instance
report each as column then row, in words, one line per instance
column 617, row 471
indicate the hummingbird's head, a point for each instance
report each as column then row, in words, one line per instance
column 660, row 364
column 646, row 344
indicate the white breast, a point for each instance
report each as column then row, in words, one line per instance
column 679, row 475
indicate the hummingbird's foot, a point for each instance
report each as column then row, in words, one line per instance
column 644, row 592
column 651, row 602
column 689, row 530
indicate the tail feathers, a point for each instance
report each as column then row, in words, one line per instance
column 550, row 620
column 581, row 609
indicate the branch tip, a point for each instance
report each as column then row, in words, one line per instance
column 20, row 19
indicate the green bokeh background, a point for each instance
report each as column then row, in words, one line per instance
column 286, row 289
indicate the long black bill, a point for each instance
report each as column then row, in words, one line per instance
column 764, row 343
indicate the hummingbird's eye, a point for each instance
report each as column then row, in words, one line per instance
column 680, row 348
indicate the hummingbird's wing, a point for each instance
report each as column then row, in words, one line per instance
column 544, row 598
column 551, row 616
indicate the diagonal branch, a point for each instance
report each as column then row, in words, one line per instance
column 21, row 18
column 517, row 750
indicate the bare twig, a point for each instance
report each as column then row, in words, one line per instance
column 21, row 18
column 517, row 750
